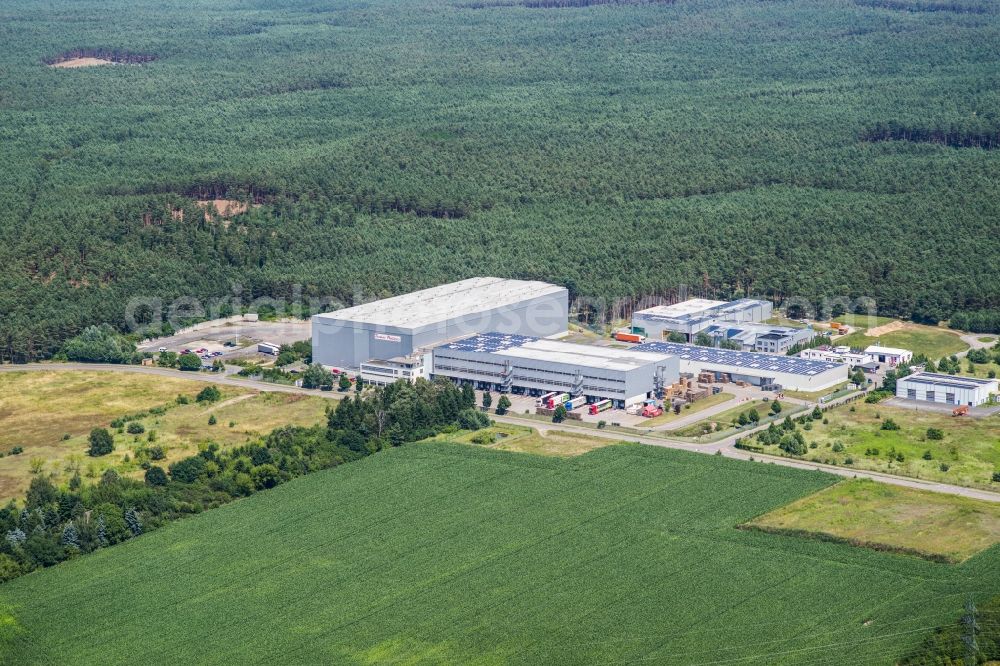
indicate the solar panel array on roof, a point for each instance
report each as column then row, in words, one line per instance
column 750, row 360
column 936, row 379
column 489, row 342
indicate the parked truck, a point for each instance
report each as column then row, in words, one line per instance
column 557, row 399
column 544, row 400
column 573, row 403
column 650, row 411
column 600, row 406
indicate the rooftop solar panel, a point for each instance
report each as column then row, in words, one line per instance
column 740, row 359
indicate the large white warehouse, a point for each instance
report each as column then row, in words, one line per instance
column 695, row 315
column 533, row 366
column 787, row 372
column 947, row 389
column 397, row 327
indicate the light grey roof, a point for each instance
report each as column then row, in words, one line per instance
column 555, row 351
column 947, row 381
column 444, row 302
column 757, row 362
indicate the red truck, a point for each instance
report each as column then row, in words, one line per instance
column 624, row 336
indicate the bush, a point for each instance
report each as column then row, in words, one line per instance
column 559, row 415
column 135, row 428
column 776, row 407
column 101, row 442
column 209, row 394
column 483, row 438
column 156, row 453
column 838, row 447
column 935, row 434
column 155, row 476
column 601, row 425
column 889, row 424
column 212, row 420
column 996, row 477
column 265, row 476
column 187, row 470
column 928, row 455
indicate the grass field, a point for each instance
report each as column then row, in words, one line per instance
column 816, row 395
column 697, row 406
column 863, row 321
column 521, row 439
column 970, row 449
column 930, row 340
column 717, row 425
column 437, row 553
column 39, row 410
column 891, row 517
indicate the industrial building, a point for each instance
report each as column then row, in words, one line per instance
column 891, row 356
column 839, row 354
column 534, row 366
column 398, row 327
column 764, row 370
column 947, row 389
column 408, row 368
column 692, row 316
column 759, row 337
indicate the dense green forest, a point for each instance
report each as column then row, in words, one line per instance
column 820, row 148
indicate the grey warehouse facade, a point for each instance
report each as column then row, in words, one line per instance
column 528, row 365
column 401, row 325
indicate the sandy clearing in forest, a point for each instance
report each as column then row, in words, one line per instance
column 73, row 63
column 224, row 207
column 886, row 328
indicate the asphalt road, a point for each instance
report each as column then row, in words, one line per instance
column 724, row 447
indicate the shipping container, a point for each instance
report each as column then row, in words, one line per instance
column 622, row 336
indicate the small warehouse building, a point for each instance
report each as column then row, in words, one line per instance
column 946, row 389
column 534, row 366
column 694, row 315
column 398, row 327
column 890, row 356
column 765, row 370
column 759, row 337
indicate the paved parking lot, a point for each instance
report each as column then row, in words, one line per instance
column 245, row 334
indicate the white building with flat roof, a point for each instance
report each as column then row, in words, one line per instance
column 947, row 389
column 398, row 326
column 768, row 370
column 890, row 355
column 694, row 315
column 534, row 366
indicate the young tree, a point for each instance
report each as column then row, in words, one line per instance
column 679, row 338
column 212, row 420
column 775, row 407
column 316, row 376
column 753, row 415
column 101, row 442
column 344, row 382
column 487, row 399
column 468, row 395
column 132, row 521
column 70, row 537
column 188, row 362
column 817, row 413
column 703, row 340
column 559, row 415
column 503, row 404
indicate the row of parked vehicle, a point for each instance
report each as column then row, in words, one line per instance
column 554, row 399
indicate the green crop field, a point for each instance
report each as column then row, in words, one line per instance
column 932, row 341
column 442, row 553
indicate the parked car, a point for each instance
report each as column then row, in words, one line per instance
column 162, row 349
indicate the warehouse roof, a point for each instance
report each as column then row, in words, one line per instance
column 444, row 302
column 554, row 351
column 754, row 362
column 683, row 310
column 894, row 351
column 948, row 381
column 696, row 310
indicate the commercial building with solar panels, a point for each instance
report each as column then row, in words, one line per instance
column 765, row 370
column 533, row 366
column 947, row 389
column 694, row 315
column 396, row 328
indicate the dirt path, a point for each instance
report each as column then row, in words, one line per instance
column 886, row 328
